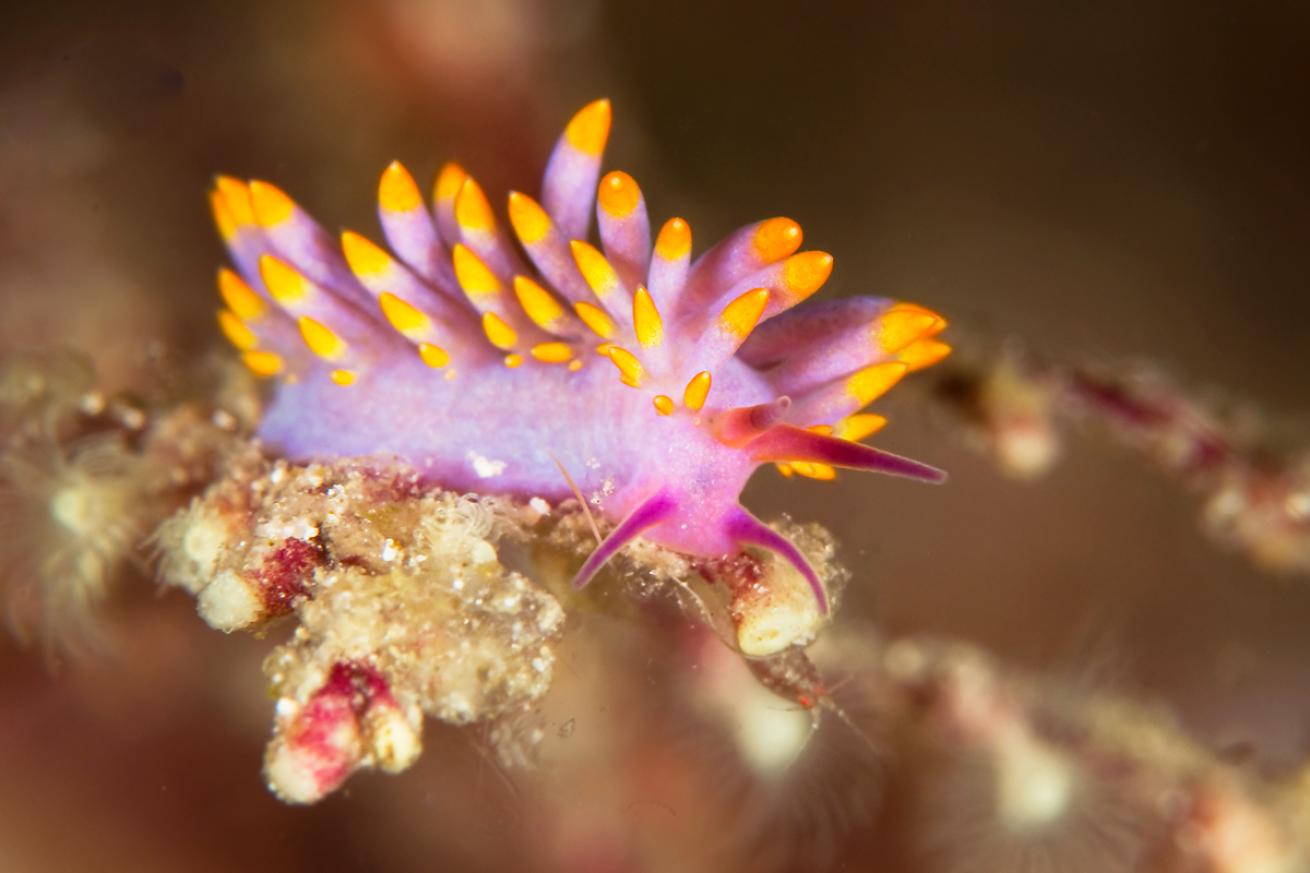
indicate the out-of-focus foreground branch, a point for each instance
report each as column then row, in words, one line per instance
column 1016, row 772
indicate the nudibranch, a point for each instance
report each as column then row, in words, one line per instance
column 494, row 363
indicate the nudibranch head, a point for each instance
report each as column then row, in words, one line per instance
column 491, row 355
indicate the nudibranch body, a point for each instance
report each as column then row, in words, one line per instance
column 653, row 384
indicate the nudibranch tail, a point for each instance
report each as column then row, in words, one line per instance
column 478, row 346
column 746, row 529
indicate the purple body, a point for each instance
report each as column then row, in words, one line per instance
column 489, row 366
column 499, row 431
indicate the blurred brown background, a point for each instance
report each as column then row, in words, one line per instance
column 1110, row 181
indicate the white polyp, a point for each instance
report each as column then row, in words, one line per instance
column 777, row 615
column 203, row 543
column 393, row 741
column 228, row 603
column 772, row 628
column 770, row 732
column 1035, row 785
column 485, row 468
column 288, row 777
column 303, row 774
column 1027, row 452
column 72, row 508
column 1297, row 505
column 481, row 552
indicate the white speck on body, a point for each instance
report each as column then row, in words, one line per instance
column 485, row 468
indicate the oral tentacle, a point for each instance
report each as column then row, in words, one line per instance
column 739, row 426
column 785, row 443
column 655, row 509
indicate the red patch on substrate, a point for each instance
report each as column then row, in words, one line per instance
column 364, row 683
column 285, row 573
column 332, row 714
column 739, row 572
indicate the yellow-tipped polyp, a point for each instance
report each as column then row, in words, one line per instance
column 236, row 196
column 285, row 284
column 630, row 369
column 775, row 239
column 589, row 129
column 923, row 353
column 321, row 339
column 408, row 321
column 618, row 194
column 434, row 356
column 239, row 296
column 646, row 321
column 449, row 180
column 365, row 257
column 397, row 190
column 897, row 328
column 227, row 226
column 539, row 304
column 805, row 273
column 472, row 209
column 596, row 270
column 674, row 240
column 344, row 378
column 697, row 390
column 271, row 204
column 553, row 352
column 812, row 470
column 595, row 318
column 501, row 335
column 529, row 220
column 740, row 316
column 859, row 426
column 867, row 385
column 262, row 364
column 473, row 276
column 242, row 337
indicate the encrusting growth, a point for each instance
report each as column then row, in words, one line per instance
column 84, row 478
column 405, row 605
column 403, row 608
